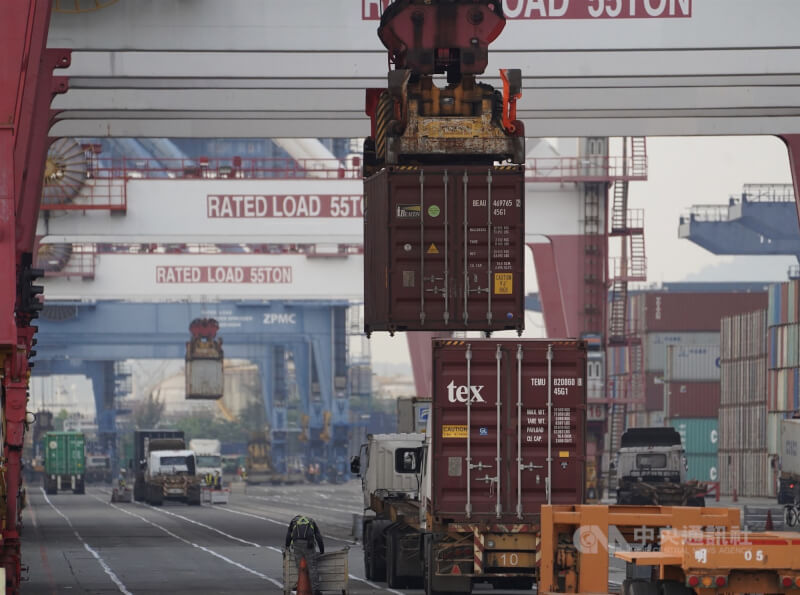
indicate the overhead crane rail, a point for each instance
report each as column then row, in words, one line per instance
column 538, row 169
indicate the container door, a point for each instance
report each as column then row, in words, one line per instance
column 559, row 461
column 421, row 275
column 469, row 443
column 490, row 236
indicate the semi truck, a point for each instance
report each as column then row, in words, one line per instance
column 208, row 456
column 651, row 469
column 789, row 478
column 64, row 462
column 164, row 468
column 460, row 505
column 390, row 469
column 98, row 468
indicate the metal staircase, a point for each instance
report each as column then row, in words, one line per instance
column 631, row 266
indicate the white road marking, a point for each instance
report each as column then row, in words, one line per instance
column 277, row 500
column 106, row 568
column 195, row 545
column 374, row 586
column 275, row 522
column 199, row 524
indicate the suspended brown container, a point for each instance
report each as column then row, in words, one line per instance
column 444, row 249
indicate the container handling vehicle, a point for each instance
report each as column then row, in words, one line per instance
column 443, row 176
column 64, row 462
column 460, row 504
column 164, row 468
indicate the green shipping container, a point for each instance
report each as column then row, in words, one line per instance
column 64, row 453
column 702, row 467
column 700, row 436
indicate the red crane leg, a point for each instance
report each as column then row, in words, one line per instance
column 555, row 267
column 26, row 90
column 792, row 142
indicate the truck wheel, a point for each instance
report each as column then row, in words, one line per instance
column 391, row 573
column 674, row 588
column 80, row 486
column 139, row 493
column 378, row 547
column 366, row 538
column 639, row 587
column 50, row 486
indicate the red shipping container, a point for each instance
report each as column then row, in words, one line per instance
column 490, row 407
column 654, row 391
column 687, row 312
column 444, row 249
column 693, row 399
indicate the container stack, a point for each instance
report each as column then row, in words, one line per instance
column 783, row 347
column 679, row 333
column 700, row 438
column 743, row 459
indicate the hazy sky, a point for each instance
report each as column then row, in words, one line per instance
column 682, row 172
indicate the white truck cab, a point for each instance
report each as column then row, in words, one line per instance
column 171, row 462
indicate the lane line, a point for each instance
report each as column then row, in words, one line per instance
column 275, row 522
column 276, row 500
column 191, row 543
column 106, row 567
column 374, row 586
column 199, row 524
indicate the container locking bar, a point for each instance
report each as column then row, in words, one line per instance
column 549, row 481
column 422, row 246
column 466, row 249
column 446, row 293
column 520, row 465
column 468, row 356
column 489, row 250
column 498, row 354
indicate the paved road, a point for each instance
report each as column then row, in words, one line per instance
column 85, row 544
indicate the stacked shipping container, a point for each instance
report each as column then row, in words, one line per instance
column 784, row 347
column 680, row 367
column 743, row 459
column 685, row 322
column 783, row 362
column 700, row 440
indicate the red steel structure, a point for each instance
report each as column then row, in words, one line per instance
column 27, row 87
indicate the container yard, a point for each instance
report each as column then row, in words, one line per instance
column 399, row 280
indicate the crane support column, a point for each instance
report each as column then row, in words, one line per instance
column 27, row 87
column 792, row 142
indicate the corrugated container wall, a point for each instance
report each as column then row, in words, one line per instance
column 699, row 436
column 692, row 362
column 694, row 312
column 657, row 344
column 743, row 438
column 749, row 473
column 784, row 303
column 692, row 399
column 783, row 383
